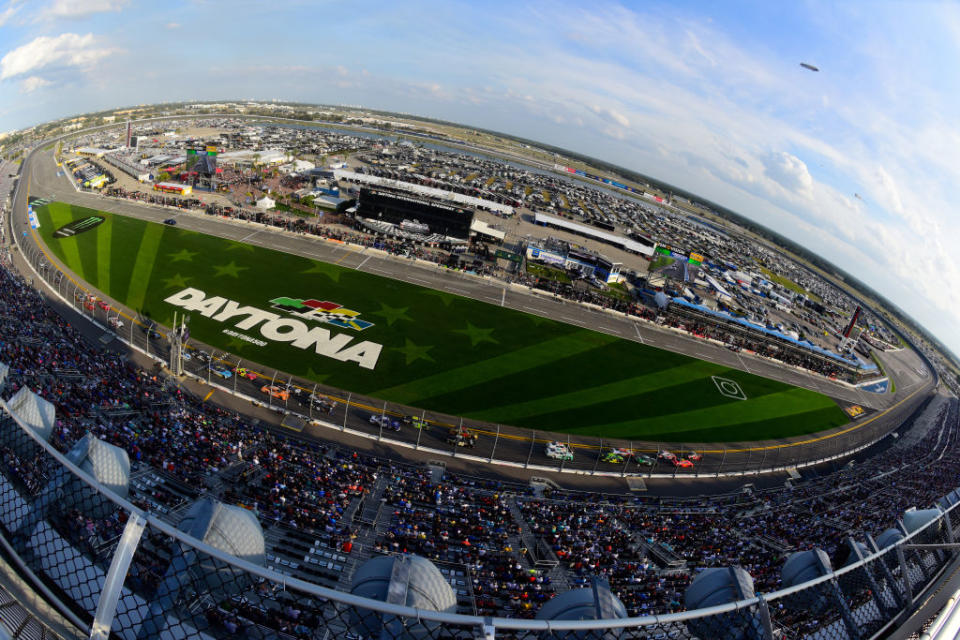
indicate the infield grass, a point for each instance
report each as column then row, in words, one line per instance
column 441, row 351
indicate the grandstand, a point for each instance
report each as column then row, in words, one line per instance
column 325, row 511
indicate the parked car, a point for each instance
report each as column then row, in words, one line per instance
column 170, row 221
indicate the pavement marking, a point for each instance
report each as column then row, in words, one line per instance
column 610, row 329
column 530, row 308
column 743, row 363
column 416, row 279
column 363, row 262
column 378, row 269
column 207, row 397
column 462, row 292
column 248, row 236
column 503, row 298
column 636, row 328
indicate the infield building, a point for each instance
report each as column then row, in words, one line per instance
column 412, row 212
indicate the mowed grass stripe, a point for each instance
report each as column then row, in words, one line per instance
column 469, row 375
column 59, row 214
column 104, row 251
column 725, row 419
column 606, row 364
column 602, row 393
column 143, row 267
column 700, row 391
column 765, row 429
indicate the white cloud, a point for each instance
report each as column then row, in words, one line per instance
column 65, row 50
column 8, row 13
column 173, row 25
column 790, row 172
column 612, row 114
column 80, row 8
column 32, row 83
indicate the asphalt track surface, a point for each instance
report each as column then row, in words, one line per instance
column 520, row 449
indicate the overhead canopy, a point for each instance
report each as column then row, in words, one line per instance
column 33, row 411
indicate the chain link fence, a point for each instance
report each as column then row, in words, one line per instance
column 203, row 570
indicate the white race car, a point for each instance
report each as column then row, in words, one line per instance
column 559, row 451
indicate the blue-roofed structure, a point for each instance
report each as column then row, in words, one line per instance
column 848, row 362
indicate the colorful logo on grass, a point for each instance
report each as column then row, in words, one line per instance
column 322, row 311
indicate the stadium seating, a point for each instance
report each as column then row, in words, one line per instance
column 310, row 497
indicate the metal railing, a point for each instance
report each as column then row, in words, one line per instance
column 115, row 568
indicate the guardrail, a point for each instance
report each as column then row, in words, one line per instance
column 113, row 568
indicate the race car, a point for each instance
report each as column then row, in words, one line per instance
column 202, row 356
column 414, row 421
column 244, row 373
column 224, row 373
column 616, row 456
column 559, row 451
column 672, row 458
column 277, row 392
column 322, row 404
column 461, row 437
column 88, row 304
column 103, row 305
column 693, row 456
column 643, row 460
column 115, row 322
column 385, row 422
column 149, row 330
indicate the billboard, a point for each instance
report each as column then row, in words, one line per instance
column 695, row 258
column 203, row 162
column 507, row 255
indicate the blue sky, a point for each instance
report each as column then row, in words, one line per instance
column 708, row 96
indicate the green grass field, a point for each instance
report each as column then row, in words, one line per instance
column 440, row 351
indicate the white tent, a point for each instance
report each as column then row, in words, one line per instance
column 266, row 202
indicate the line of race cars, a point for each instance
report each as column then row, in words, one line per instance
column 458, row 436
column 557, row 450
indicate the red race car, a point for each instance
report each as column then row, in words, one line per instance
column 103, row 305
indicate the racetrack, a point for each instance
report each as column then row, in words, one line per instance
column 898, row 364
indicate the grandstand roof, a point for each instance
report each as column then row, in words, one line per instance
column 591, row 232
column 431, row 192
column 856, row 362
